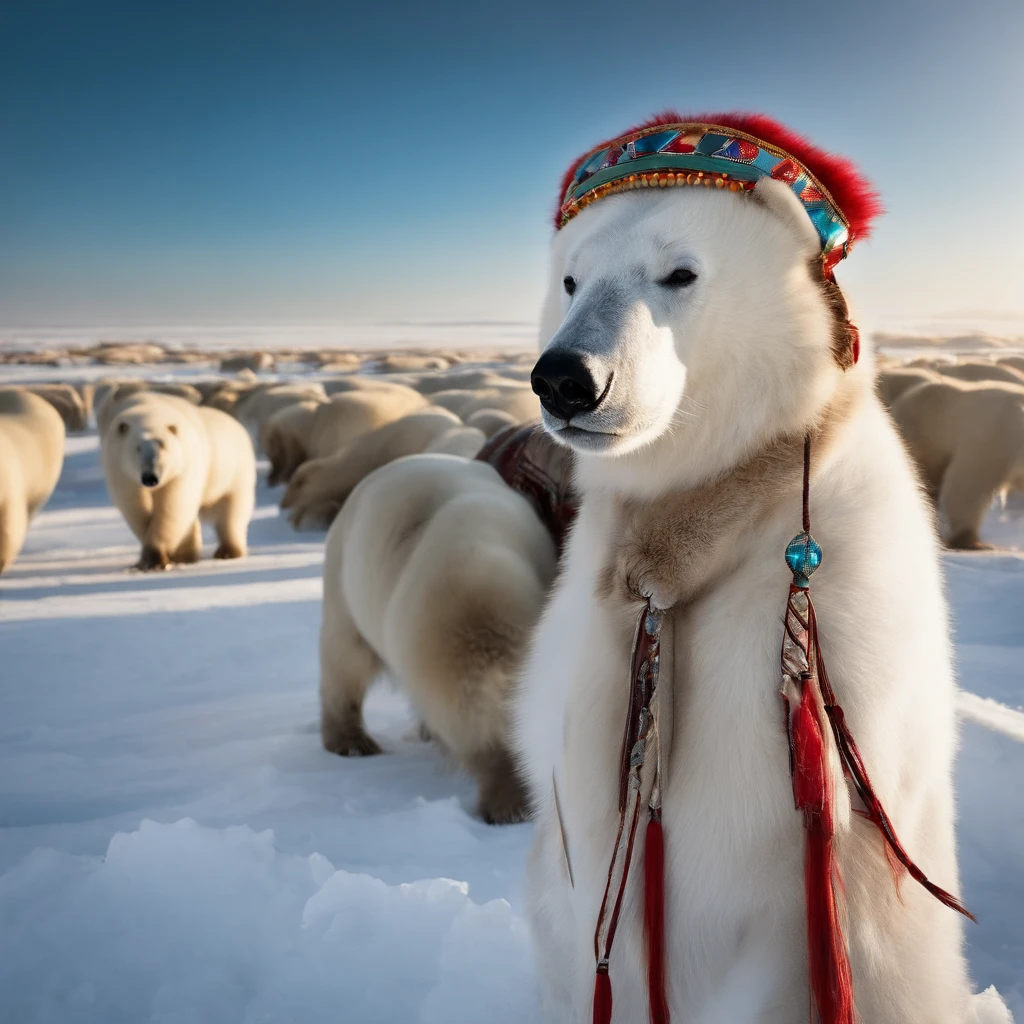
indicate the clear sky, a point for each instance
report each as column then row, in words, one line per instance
column 260, row 163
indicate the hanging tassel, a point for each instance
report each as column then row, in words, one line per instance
column 640, row 739
column 853, row 765
column 602, row 996
column 809, row 700
column 828, row 962
column 654, row 917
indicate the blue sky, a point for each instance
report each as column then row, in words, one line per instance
column 261, row 163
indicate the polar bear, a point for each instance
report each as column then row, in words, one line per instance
column 359, row 382
column 284, row 439
column 67, row 401
column 318, row 488
column 352, row 413
column 490, row 421
column 519, row 402
column 170, row 465
column 31, row 458
column 968, row 442
column 435, row 570
column 466, row 380
column 264, row 401
column 693, row 340
column 464, row 441
column 977, row 372
column 893, row 383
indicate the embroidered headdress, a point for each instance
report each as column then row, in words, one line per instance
column 733, row 152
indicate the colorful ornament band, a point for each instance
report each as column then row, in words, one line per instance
column 694, row 153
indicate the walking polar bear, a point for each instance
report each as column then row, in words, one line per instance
column 692, row 343
column 31, row 458
column 171, row 465
column 968, row 442
column 436, row 570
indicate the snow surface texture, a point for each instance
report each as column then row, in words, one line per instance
column 176, row 847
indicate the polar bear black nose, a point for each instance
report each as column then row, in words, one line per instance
column 564, row 385
column 149, row 479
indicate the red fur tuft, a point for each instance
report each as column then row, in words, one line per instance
column 852, row 192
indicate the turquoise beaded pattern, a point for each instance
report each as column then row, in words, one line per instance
column 803, row 556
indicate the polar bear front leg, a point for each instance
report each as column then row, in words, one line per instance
column 172, row 523
column 13, row 527
column 191, row 548
column 231, row 517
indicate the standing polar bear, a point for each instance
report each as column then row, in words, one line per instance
column 436, row 570
column 698, row 360
column 968, row 442
column 31, row 458
column 170, row 465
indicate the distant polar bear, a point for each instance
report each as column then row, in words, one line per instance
column 284, row 438
column 978, row 371
column 438, row 570
column 31, row 458
column 897, row 381
column 67, row 401
column 968, row 442
column 353, row 413
column 518, row 401
column 169, row 465
column 318, row 488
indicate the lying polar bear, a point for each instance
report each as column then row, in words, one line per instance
column 968, row 441
column 169, row 465
column 31, row 458
column 437, row 571
column 319, row 487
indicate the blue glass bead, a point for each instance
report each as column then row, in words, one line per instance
column 803, row 556
column 652, row 623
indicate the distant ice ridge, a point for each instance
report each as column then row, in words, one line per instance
column 185, row 923
column 426, row 334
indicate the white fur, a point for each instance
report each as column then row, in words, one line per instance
column 704, row 376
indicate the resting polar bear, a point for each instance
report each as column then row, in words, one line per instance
column 284, row 438
column 352, row 413
column 31, row 458
column 437, row 570
column 319, row 487
column 169, row 465
column 968, row 441
column 692, row 343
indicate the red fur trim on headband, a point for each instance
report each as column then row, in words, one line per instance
column 853, row 193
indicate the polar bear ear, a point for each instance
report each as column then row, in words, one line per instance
column 779, row 199
column 122, row 427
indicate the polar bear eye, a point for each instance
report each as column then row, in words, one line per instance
column 680, row 278
column 122, row 427
column 173, row 428
column 569, row 284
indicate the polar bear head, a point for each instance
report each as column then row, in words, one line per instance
column 682, row 328
column 148, row 436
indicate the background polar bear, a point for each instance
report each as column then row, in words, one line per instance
column 169, row 465
column 692, row 342
column 320, row 487
column 436, row 570
column 31, row 458
column 968, row 441
column 351, row 413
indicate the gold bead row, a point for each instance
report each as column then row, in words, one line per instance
column 655, row 179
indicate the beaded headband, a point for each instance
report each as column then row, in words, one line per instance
column 729, row 152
